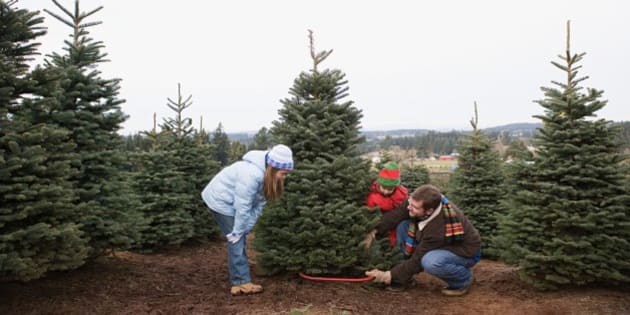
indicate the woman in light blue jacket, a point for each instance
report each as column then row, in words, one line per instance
column 236, row 197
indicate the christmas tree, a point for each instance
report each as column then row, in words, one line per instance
column 221, row 143
column 38, row 232
column 237, row 150
column 262, row 140
column 169, row 178
column 569, row 221
column 321, row 218
column 413, row 176
column 517, row 151
column 192, row 160
column 89, row 108
column 477, row 184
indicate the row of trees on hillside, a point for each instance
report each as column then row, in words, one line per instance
column 226, row 150
column 435, row 143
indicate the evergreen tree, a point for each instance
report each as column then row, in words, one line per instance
column 202, row 173
column 37, row 229
column 385, row 158
column 262, row 140
column 316, row 227
column 221, row 145
column 193, row 162
column 477, row 184
column 89, row 108
column 413, row 176
column 201, row 135
column 169, row 179
column 237, row 150
column 156, row 139
column 165, row 200
column 135, row 142
column 517, row 157
column 162, row 191
column 179, row 126
column 517, row 150
column 624, row 137
column 569, row 223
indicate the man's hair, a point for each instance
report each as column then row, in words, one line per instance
column 429, row 195
column 272, row 188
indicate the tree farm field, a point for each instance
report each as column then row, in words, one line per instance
column 438, row 166
column 192, row 279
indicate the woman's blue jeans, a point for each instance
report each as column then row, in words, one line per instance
column 238, row 265
column 444, row 264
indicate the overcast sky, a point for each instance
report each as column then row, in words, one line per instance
column 409, row 64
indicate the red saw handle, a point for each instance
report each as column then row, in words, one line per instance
column 331, row 279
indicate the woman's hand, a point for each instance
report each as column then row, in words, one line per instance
column 233, row 238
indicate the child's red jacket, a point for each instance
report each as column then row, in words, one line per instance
column 386, row 203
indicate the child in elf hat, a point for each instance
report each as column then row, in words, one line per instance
column 387, row 193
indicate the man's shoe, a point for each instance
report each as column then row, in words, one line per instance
column 246, row 288
column 458, row 292
column 455, row 292
column 397, row 287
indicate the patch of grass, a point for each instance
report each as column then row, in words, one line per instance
column 304, row 311
column 300, row 311
column 438, row 166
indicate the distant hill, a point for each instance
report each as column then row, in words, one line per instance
column 243, row 137
column 442, row 142
column 514, row 129
column 396, row 133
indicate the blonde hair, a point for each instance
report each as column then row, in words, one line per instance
column 272, row 187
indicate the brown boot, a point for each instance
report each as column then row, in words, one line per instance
column 246, row 288
column 461, row 291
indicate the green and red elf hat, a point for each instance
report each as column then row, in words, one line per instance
column 389, row 176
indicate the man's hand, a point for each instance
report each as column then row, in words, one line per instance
column 368, row 239
column 380, row 276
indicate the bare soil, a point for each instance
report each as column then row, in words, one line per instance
column 193, row 280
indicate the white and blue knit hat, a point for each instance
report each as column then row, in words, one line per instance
column 281, row 157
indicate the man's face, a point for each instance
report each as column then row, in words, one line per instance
column 416, row 210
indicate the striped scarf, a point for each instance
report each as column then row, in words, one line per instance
column 454, row 230
column 410, row 239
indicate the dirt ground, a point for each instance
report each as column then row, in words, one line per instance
column 193, row 280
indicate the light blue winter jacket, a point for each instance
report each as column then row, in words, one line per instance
column 237, row 191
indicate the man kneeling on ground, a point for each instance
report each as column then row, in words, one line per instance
column 435, row 236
